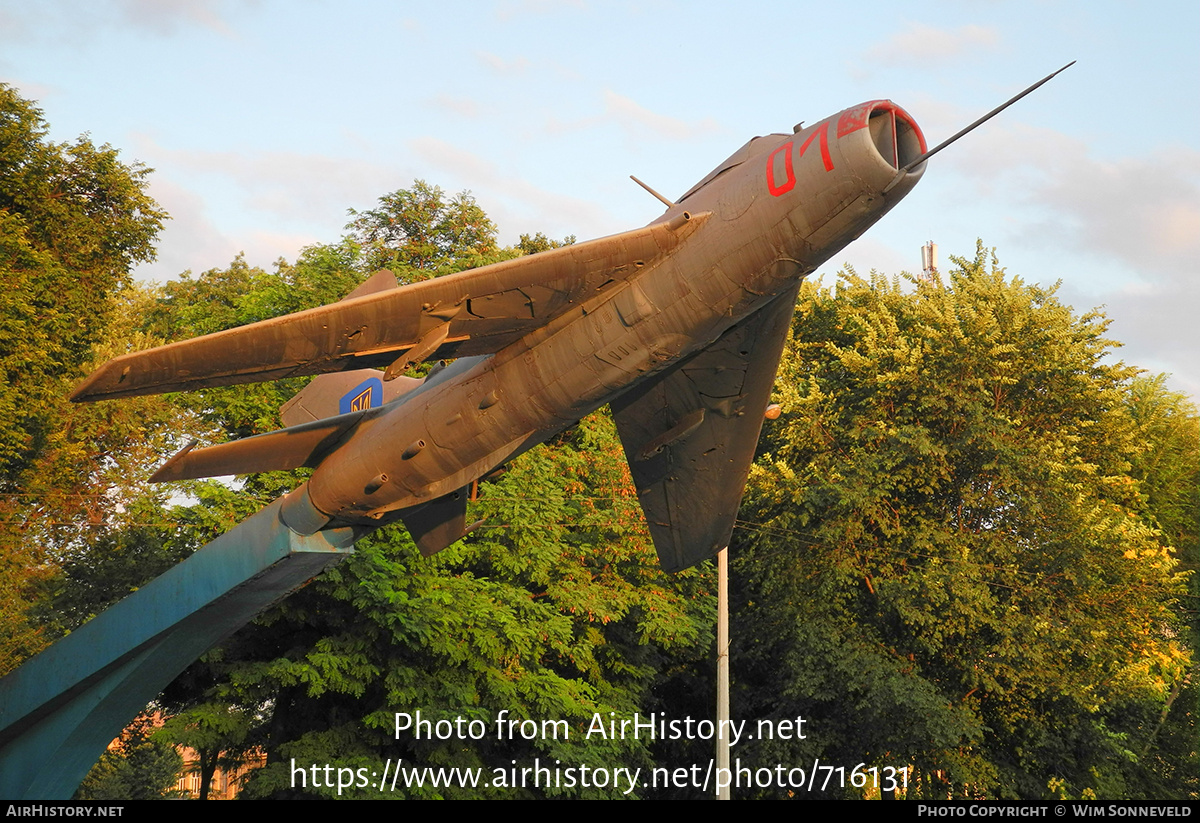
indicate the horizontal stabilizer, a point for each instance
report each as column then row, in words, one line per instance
column 473, row 312
column 292, row 448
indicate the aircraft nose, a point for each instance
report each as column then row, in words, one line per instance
column 885, row 139
column 894, row 134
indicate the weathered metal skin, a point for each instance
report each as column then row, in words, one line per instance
column 590, row 354
column 548, row 339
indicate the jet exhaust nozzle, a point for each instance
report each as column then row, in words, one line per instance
column 299, row 513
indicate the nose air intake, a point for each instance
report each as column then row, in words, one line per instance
column 894, row 135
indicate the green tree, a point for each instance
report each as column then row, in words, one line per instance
column 91, row 519
column 419, row 233
column 949, row 562
column 217, row 733
column 1167, row 468
column 1167, row 464
column 534, row 243
column 139, row 767
column 555, row 609
column 73, row 220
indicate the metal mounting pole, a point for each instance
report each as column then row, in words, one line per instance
column 723, row 668
column 61, row 708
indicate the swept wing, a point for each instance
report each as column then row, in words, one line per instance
column 470, row 313
column 691, row 434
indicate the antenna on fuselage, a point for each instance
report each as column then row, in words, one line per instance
column 668, row 203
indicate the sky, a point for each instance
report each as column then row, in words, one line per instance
column 265, row 122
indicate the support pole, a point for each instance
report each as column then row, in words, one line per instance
column 723, row 669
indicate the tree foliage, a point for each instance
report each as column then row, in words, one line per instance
column 553, row 610
column 140, row 766
column 952, row 564
column 73, row 220
column 419, row 233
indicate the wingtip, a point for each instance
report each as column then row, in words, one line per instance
column 104, row 383
column 85, row 391
column 167, row 471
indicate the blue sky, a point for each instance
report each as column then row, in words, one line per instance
column 265, row 121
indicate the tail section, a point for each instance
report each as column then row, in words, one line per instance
column 330, row 395
column 291, row 448
column 317, row 420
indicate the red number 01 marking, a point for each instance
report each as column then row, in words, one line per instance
column 787, row 184
column 823, row 131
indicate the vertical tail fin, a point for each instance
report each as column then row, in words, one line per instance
column 329, row 395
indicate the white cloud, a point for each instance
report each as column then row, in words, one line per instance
column 284, row 188
column 189, row 240
column 1144, row 210
column 864, row 255
column 80, row 23
column 513, row 203
column 501, row 66
column 508, row 10
column 632, row 117
column 166, row 17
column 461, row 106
column 920, row 45
column 287, row 184
column 1133, row 220
column 1141, row 210
column 13, row 27
column 31, row 90
column 637, row 121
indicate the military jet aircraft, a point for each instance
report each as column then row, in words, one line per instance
column 678, row 326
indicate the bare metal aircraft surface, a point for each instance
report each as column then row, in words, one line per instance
column 678, row 326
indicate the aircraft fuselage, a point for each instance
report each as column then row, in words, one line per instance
column 770, row 217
